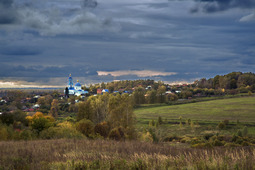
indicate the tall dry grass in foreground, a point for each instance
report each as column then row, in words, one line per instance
column 102, row 154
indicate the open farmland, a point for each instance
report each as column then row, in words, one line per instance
column 242, row 109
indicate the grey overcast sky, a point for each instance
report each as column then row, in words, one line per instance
column 42, row 42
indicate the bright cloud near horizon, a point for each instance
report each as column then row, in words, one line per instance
column 42, row 42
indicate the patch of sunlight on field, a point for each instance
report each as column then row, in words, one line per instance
column 242, row 109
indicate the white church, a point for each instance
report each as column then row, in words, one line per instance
column 75, row 89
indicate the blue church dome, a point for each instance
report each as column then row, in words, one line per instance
column 77, row 84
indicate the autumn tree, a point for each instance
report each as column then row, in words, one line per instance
column 151, row 96
column 85, row 110
column 100, row 107
column 54, row 108
column 85, row 126
column 120, row 113
column 39, row 121
column 139, row 95
column 161, row 94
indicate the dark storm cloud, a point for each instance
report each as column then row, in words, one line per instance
column 52, row 19
column 89, row 4
column 40, row 71
column 7, row 13
column 20, row 51
column 210, row 6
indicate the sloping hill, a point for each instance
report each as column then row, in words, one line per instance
column 233, row 109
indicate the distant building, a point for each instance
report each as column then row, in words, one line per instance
column 105, row 91
column 99, row 91
column 75, row 89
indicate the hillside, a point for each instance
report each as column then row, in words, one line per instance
column 232, row 109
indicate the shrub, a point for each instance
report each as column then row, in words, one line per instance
column 7, row 118
column 250, row 93
column 60, row 132
column 85, row 126
column 195, row 141
column 201, row 145
column 115, row 134
column 160, row 121
column 3, row 133
column 231, row 145
column 41, row 123
column 102, row 129
column 221, row 125
column 186, row 140
column 27, row 135
column 245, row 131
column 239, row 133
column 245, row 143
column 217, row 142
column 226, row 122
column 207, row 136
column 147, row 137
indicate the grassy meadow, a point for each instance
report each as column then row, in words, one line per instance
column 242, row 109
column 204, row 118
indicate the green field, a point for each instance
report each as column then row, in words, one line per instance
column 242, row 109
column 206, row 116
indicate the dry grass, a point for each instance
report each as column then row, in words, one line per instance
column 102, row 154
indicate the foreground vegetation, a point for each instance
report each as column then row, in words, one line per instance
column 104, row 154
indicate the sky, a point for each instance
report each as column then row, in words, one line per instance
column 42, row 42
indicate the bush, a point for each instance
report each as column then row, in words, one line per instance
column 226, row 122
column 115, row 134
column 186, row 140
column 245, row 143
column 221, row 125
column 231, row 145
column 27, row 135
column 147, row 137
column 7, row 118
column 3, row 133
column 85, row 126
column 102, row 129
column 41, row 123
column 207, row 136
column 217, row 142
column 245, row 131
column 239, row 133
column 160, row 121
column 201, row 145
column 60, row 132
